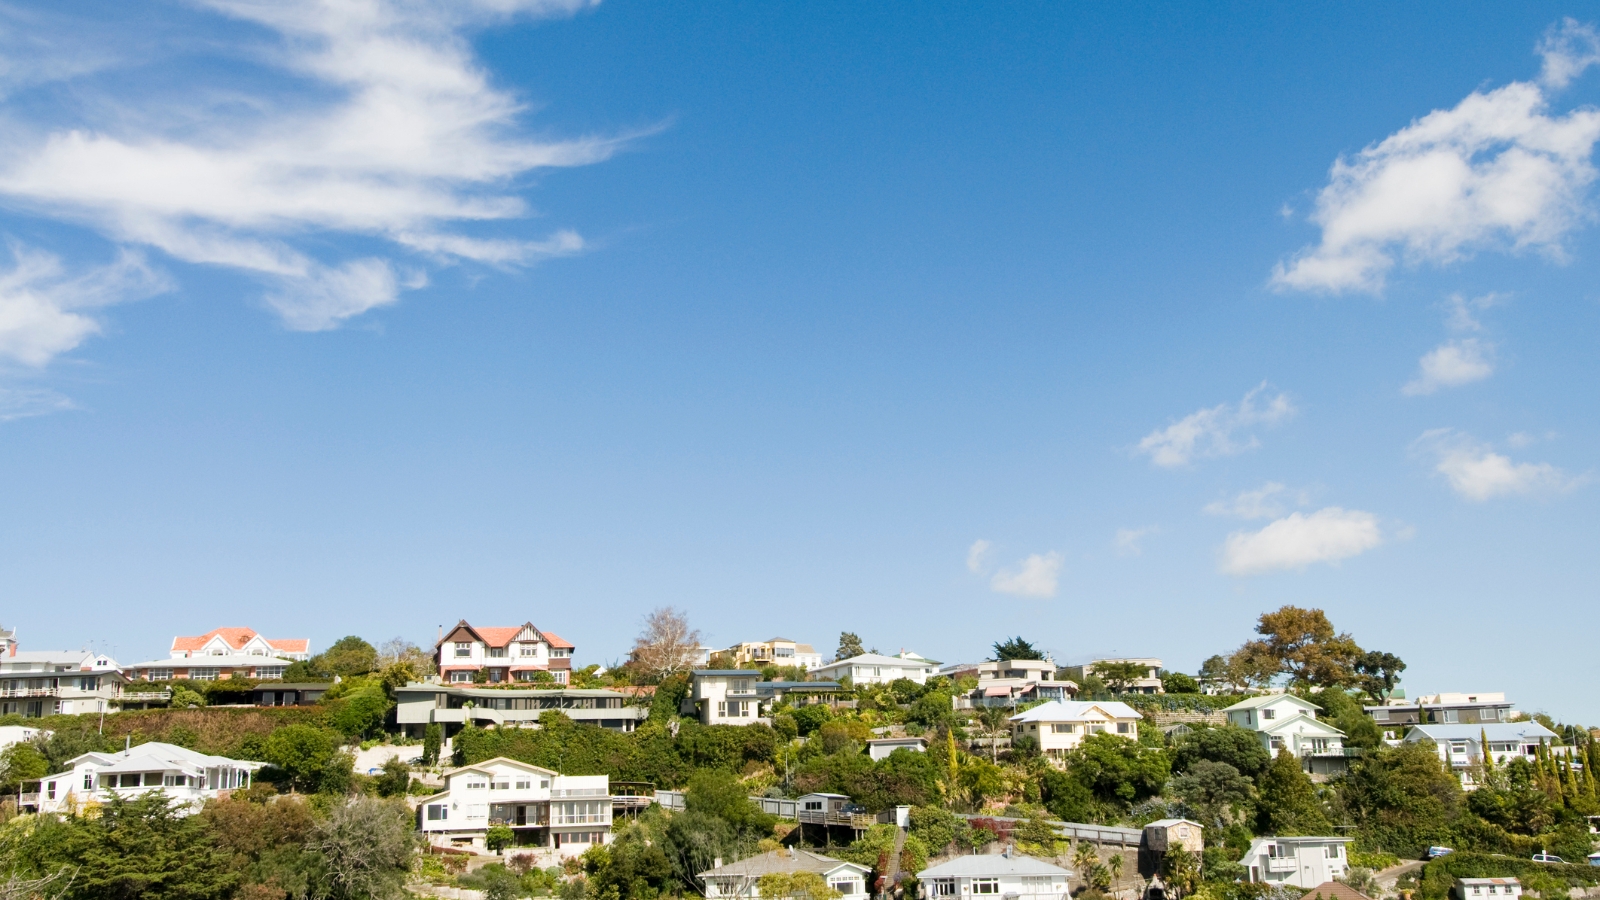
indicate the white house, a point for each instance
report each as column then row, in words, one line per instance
column 775, row 652
column 516, row 653
column 741, row 879
column 1148, row 683
column 740, row 697
column 1460, row 747
column 1302, row 862
column 560, row 815
column 36, row 683
column 1286, row 722
column 873, row 668
column 1487, row 888
column 419, row 704
column 17, row 734
column 880, row 748
column 1061, row 725
column 1000, row 875
column 186, row 776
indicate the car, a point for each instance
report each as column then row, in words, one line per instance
column 1547, row 858
column 1436, row 852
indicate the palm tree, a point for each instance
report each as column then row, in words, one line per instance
column 993, row 719
column 1115, row 862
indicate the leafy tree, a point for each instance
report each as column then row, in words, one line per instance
column 184, row 698
column 849, row 646
column 302, row 671
column 796, row 886
column 1348, row 716
column 1182, row 872
column 137, row 849
column 498, row 837
column 1214, row 790
column 349, row 655
column 1306, row 648
column 995, row 721
column 1179, row 683
column 1288, row 804
column 432, row 741
column 666, row 646
column 811, row 717
column 1015, row 648
column 302, row 753
column 932, row 710
column 21, row 762
column 1119, row 675
column 719, row 793
column 365, row 846
column 1401, row 800
column 265, row 842
column 1215, row 669
column 635, row 864
column 1377, row 673
column 1252, row 665
column 1238, row 747
column 395, row 778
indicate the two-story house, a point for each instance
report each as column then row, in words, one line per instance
column 1302, row 862
column 507, row 654
column 775, row 652
column 742, row 879
column 1061, row 725
column 740, row 697
column 995, row 875
column 874, row 668
column 239, row 642
column 1147, row 683
column 452, row 706
column 188, row 777
column 1011, row 682
column 1399, row 714
column 560, row 815
column 220, row 654
column 1286, row 722
column 36, row 683
column 1460, row 747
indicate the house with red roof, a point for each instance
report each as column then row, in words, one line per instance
column 239, row 642
column 516, row 653
column 224, row 652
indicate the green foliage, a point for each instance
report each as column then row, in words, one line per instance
column 1401, row 800
column 719, row 793
column 346, row 657
column 670, row 694
column 875, row 846
column 938, row 828
column 360, row 709
column 849, row 646
column 811, row 717
column 634, row 865
column 394, row 780
column 21, row 762
column 1238, row 747
column 1215, row 791
column 302, row 753
column 1439, row 875
column 1179, row 683
column 1016, row 648
column 796, row 886
column 904, row 778
column 498, row 837
column 496, row 882
column 264, row 842
column 932, row 710
column 1040, row 835
column 1114, row 773
column 1346, row 714
column 432, row 741
column 365, row 846
column 183, row 698
column 1288, row 800
column 302, row 672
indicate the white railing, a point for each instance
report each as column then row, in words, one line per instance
column 600, row 818
column 30, row 692
column 580, row 792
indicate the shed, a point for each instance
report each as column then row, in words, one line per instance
column 1487, row 888
column 1163, row 835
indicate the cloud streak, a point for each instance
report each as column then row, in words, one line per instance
column 1220, row 430
column 1037, row 576
column 1477, row 473
column 1299, row 540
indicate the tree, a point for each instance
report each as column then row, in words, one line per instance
column 498, row 837
column 394, row 780
column 141, row 849
column 347, row 656
column 1015, row 648
column 184, row 698
column 994, row 720
column 432, row 741
column 667, row 644
column 1215, row 669
column 399, row 651
column 1119, row 675
column 1306, row 647
column 1378, row 673
column 1214, row 790
column 21, row 762
column 1182, row 872
column 302, row 752
column 1289, row 804
column 796, row 886
column 1179, row 683
column 849, row 646
column 1238, row 747
column 719, row 793
column 365, row 847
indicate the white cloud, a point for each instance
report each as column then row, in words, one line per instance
column 1451, row 364
column 1129, row 541
column 396, row 133
column 1036, row 576
column 1214, row 431
column 44, row 312
column 19, row 403
column 1496, row 172
column 977, row 555
column 1298, row 540
column 1476, row 472
column 1264, row 502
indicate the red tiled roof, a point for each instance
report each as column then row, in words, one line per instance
column 235, row 637
column 498, row 637
column 290, row 645
column 1333, row 890
column 556, row 641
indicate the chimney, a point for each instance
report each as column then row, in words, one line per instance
column 716, row 863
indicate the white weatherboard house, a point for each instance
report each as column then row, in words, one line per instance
column 1460, row 746
column 1285, row 722
column 187, row 777
column 1487, row 888
column 1061, row 725
column 562, row 814
column 740, row 879
column 1004, row 875
column 873, row 668
column 1302, row 862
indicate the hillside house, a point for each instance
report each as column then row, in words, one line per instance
column 873, row 668
column 1302, row 862
column 1149, row 683
column 561, row 815
column 452, row 706
column 1399, row 714
column 187, row 777
column 1460, row 747
column 1286, row 722
column 1061, row 725
column 239, row 642
column 997, row 875
column 518, row 653
column 774, row 652
column 37, row 683
column 742, row 878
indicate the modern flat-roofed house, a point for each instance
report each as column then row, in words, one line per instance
column 874, row 668
column 775, row 652
column 1285, row 722
column 1460, row 747
column 561, row 815
column 1149, row 683
column 1302, row 862
column 995, row 875
column 1012, row 682
column 1398, row 714
column 740, row 697
column 36, row 683
column 742, row 878
column 453, row 705
column 507, row 654
column 1061, row 725
column 188, row 777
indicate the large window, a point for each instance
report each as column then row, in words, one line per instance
column 463, row 648
column 944, row 887
column 158, row 674
column 497, row 653
column 844, row 887
column 438, row 812
column 1063, row 729
column 203, row 674
column 986, row 885
column 269, row 671
column 527, row 649
column 1124, row 727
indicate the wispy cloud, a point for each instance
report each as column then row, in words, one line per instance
column 44, row 311
column 1495, row 172
column 1474, row 471
column 1035, row 576
column 1299, row 540
column 1130, row 541
column 388, row 128
column 977, row 556
column 1265, row 502
column 1220, row 430
column 20, row 403
column 1461, row 360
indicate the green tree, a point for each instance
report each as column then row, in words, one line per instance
column 1118, row 772
column 849, row 646
column 796, row 886
column 302, row 753
column 1238, row 747
column 1307, row 649
column 932, row 710
column 1377, row 673
column 141, row 849
column 1214, row 790
column 21, row 762
column 719, row 793
column 394, row 779
column 1119, row 675
column 347, row 656
column 184, row 698
column 1016, row 648
column 432, row 741
column 1179, row 683
column 265, row 842
column 498, row 837
column 1288, row 800
column 365, row 848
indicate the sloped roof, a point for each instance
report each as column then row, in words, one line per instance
column 290, row 645
column 1265, row 699
column 234, row 637
column 556, row 641
column 155, row 754
column 981, row 865
column 484, row 766
column 211, row 662
column 1076, row 711
column 878, row 659
column 783, row 861
column 499, row 637
column 1333, row 890
column 1282, row 725
column 1495, row 731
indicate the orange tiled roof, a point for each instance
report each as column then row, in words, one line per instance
column 290, row 645
column 556, row 641
column 235, row 638
column 1333, row 890
column 498, row 637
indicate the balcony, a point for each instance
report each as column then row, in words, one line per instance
column 30, row 692
column 1282, row 864
column 568, row 793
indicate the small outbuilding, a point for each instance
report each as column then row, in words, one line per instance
column 880, row 748
column 1487, row 888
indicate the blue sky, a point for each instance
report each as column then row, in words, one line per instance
column 1111, row 327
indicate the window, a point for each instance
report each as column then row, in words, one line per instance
column 722, row 709
column 438, row 812
column 499, row 785
column 1380, row 715
column 158, row 674
column 544, row 782
column 1036, row 884
column 559, row 652
column 783, row 652
column 524, row 784
column 497, row 653
column 739, row 684
column 944, row 887
column 1063, row 729
column 1124, row 727
column 1277, row 851
column 986, row 885
column 203, row 674
column 813, row 806
column 463, row 648
column 1269, row 714
column 527, row 649
column 477, row 785
column 88, row 781
column 50, row 790
column 88, row 684
column 561, row 676
column 843, row 887
column 1452, row 716
column 460, row 677
column 1333, row 852
column 269, row 671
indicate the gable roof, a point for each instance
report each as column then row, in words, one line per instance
column 1077, row 711
column 878, row 659
column 233, row 637
column 1268, row 700
column 143, row 757
column 290, row 645
column 980, row 865
column 1495, row 731
column 775, row 861
column 482, row 767
column 1300, row 720
column 501, row 636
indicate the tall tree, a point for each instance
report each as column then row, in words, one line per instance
column 366, row 847
column 1214, row 790
column 1289, row 804
column 1016, row 648
column 1120, row 675
column 1306, row 647
column 667, row 645
column 849, row 646
column 1377, row 673
column 347, row 656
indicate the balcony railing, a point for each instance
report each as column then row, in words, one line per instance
column 600, row 818
column 30, row 692
column 568, row 793
column 1282, row 864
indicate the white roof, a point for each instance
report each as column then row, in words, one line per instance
column 1268, row 699
column 986, row 865
column 878, row 659
column 203, row 662
column 157, row 756
column 1077, row 711
column 1299, row 721
column 485, row 767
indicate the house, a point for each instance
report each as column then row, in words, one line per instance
column 873, row 668
column 740, row 697
column 775, row 652
column 1398, row 714
column 1302, row 862
column 419, row 705
column 188, row 777
column 997, row 875
column 1286, row 722
column 1061, row 725
column 282, row 693
column 881, row 748
column 506, row 654
column 36, row 683
column 1011, row 683
column 742, row 879
column 1460, row 746
column 1165, row 835
column 1486, row 888
column 1149, row 683
column 239, row 642
column 211, row 668
column 562, row 815
column 18, row 734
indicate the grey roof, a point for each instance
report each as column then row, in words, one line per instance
column 1264, row 699
column 474, row 690
column 878, row 659
column 156, row 756
column 1168, row 823
column 49, row 657
column 784, row 861
column 212, row 662
column 1496, row 731
column 980, row 865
